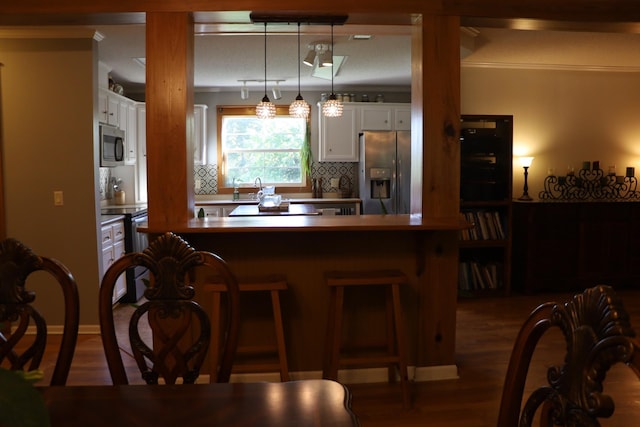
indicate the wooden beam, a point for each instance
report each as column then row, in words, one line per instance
column 436, row 112
column 170, row 130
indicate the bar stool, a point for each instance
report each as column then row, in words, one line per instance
column 396, row 355
column 272, row 284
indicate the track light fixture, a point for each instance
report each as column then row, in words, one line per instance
column 320, row 52
column 244, row 91
column 276, row 91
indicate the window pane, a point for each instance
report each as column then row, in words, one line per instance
column 269, row 149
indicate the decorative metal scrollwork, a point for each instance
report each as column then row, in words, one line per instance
column 590, row 185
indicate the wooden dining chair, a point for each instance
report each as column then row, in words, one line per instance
column 597, row 335
column 181, row 329
column 23, row 339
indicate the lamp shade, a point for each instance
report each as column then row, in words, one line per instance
column 525, row 162
column 266, row 109
column 332, row 108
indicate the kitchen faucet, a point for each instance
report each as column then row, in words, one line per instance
column 255, row 183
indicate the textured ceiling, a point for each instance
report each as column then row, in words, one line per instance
column 223, row 57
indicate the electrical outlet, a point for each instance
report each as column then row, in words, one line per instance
column 198, row 184
column 335, row 182
column 58, row 199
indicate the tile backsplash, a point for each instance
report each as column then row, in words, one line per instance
column 208, row 176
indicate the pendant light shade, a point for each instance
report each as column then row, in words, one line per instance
column 299, row 108
column 333, row 107
column 265, row 109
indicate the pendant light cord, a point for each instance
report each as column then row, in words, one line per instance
column 331, row 53
column 298, row 59
column 265, row 59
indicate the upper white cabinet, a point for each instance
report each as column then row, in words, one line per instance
column 339, row 136
column 108, row 108
column 402, row 118
column 200, row 143
column 380, row 116
column 376, row 117
column 131, row 135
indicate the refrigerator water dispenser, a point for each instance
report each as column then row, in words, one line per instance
column 380, row 183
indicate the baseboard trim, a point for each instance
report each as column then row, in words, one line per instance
column 436, row 373
column 58, row 329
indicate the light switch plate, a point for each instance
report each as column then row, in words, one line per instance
column 58, row 199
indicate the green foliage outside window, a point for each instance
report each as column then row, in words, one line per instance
column 276, row 150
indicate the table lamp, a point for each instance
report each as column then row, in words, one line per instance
column 526, row 163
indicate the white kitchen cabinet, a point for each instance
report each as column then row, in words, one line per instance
column 339, row 135
column 381, row 116
column 131, row 135
column 402, row 118
column 200, row 143
column 376, row 117
column 112, row 249
column 141, row 156
column 109, row 107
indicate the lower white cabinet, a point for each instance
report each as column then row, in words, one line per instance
column 112, row 249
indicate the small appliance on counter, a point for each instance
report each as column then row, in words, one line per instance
column 111, row 146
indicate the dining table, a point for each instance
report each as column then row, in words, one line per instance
column 295, row 403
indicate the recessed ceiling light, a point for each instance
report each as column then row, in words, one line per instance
column 361, row 37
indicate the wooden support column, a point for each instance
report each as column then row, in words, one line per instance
column 170, row 130
column 436, row 111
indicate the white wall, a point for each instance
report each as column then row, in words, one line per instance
column 561, row 117
column 47, row 106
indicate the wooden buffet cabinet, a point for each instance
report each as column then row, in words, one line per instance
column 568, row 246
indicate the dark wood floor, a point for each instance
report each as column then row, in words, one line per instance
column 486, row 330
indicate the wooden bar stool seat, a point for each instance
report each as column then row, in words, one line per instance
column 396, row 355
column 272, row 284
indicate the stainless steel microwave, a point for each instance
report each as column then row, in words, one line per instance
column 111, row 146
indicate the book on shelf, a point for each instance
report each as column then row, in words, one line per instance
column 488, row 225
column 478, row 276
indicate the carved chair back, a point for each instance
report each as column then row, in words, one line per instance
column 598, row 335
column 23, row 339
column 180, row 328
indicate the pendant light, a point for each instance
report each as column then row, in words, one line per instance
column 333, row 107
column 265, row 109
column 299, row 108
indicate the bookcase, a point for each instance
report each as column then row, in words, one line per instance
column 485, row 201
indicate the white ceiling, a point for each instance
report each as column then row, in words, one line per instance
column 226, row 54
column 221, row 60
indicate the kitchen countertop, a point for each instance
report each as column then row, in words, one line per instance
column 108, row 219
column 292, row 209
column 315, row 223
column 214, row 202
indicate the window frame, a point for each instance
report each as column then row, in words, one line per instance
column 245, row 110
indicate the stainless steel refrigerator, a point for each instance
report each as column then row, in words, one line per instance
column 384, row 172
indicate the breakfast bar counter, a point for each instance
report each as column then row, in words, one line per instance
column 320, row 223
column 303, row 248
